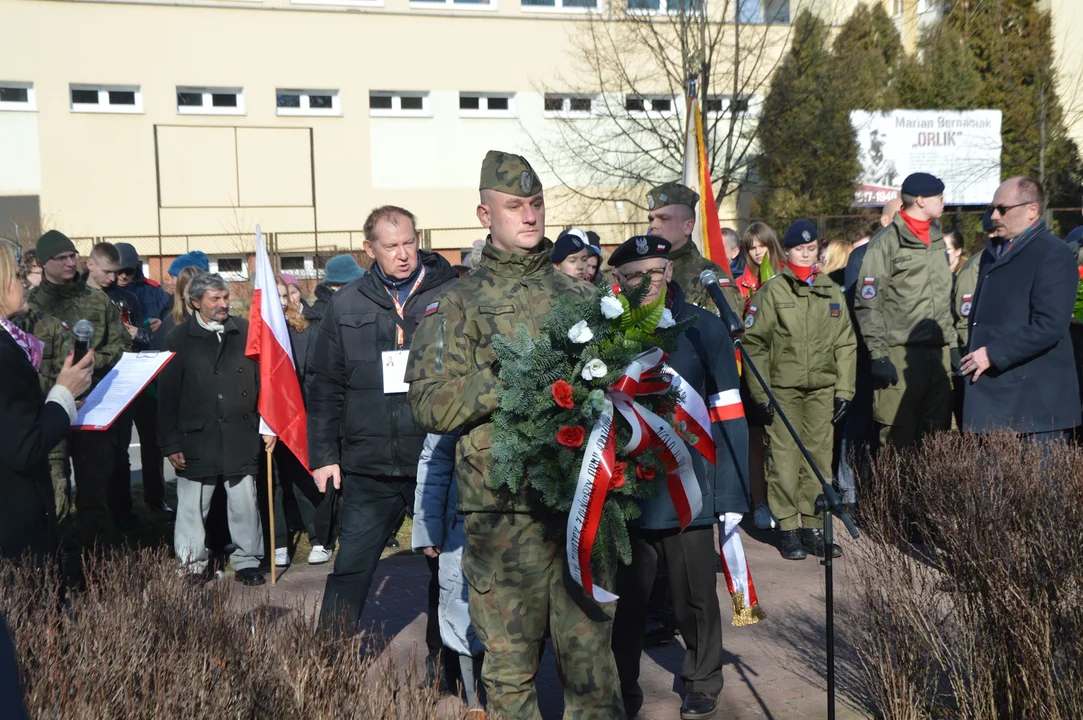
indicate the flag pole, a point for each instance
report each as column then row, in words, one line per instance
column 271, row 510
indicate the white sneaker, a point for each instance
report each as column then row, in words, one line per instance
column 282, row 557
column 319, row 555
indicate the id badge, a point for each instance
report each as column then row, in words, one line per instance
column 394, row 363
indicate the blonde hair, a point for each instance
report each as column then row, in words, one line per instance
column 293, row 314
column 180, row 310
column 9, row 271
column 836, row 255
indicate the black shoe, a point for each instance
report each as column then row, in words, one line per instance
column 792, row 548
column 393, row 543
column 699, row 706
column 632, row 705
column 249, row 576
column 160, row 508
column 813, row 540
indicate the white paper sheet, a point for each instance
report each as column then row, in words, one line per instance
column 119, row 388
column 394, row 362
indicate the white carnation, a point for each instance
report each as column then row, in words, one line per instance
column 594, row 369
column 611, row 307
column 666, row 321
column 580, row 333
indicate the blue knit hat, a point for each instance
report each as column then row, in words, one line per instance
column 342, row 269
column 800, row 233
column 195, row 258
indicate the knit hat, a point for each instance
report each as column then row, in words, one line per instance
column 289, row 280
column 53, row 243
column 195, row 258
column 342, row 269
column 801, row 232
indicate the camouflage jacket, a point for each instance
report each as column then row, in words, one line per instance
column 903, row 293
column 75, row 301
column 452, row 383
column 57, row 342
column 688, row 263
column 962, row 299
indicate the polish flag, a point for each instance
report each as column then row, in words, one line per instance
column 707, row 233
column 281, row 409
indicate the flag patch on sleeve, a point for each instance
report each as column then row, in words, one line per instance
column 432, row 307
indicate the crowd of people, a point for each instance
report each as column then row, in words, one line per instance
column 862, row 343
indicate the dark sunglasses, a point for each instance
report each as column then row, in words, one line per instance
column 126, row 271
column 1003, row 209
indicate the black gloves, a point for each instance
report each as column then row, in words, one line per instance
column 841, row 407
column 884, row 373
column 761, row 414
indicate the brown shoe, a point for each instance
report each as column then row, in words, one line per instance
column 474, row 714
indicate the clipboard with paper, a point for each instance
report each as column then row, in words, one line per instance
column 119, row 388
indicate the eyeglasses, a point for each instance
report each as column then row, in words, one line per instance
column 656, row 275
column 1003, row 209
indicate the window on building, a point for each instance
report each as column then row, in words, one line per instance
column 656, row 104
column 466, row 4
column 307, row 102
column 303, row 267
column 233, row 269
column 568, row 105
column 210, row 101
column 571, row 5
column 486, row 104
column 665, row 6
column 106, row 98
column 718, row 104
column 399, row 104
column 17, row 96
column 756, row 12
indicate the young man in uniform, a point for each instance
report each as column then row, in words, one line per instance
column 514, row 561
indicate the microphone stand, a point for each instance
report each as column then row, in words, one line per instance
column 828, row 501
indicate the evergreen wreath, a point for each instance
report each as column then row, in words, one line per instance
column 553, row 392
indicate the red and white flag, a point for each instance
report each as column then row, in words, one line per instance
column 281, row 408
column 707, row 233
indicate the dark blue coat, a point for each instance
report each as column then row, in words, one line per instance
column 1022, row 308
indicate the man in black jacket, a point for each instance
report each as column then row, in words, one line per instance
column 361, row 435
column 1021, row 366
column 209, row 421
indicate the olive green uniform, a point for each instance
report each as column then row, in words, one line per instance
column 903, row 305
column 800, row 338
column 963, row 300
column 57, row 343
column 92, row 453
column 514, row 561
column 688, row 263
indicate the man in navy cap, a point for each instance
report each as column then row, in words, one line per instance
column 903, row 306
column 705, row 360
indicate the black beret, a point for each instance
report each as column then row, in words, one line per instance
column 567, row 244
column 921, row 184
column 800, row 233
column 640, row 247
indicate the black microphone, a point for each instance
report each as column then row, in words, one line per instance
column 709, row 280
column 84, row 333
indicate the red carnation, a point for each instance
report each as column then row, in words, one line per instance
column 562, row 393
column 617, row 479
column 644, row 473
column 571, row 436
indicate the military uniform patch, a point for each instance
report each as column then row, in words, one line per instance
column 964, row 309
column 641, row 246
column 431, row 308
column 836, row 310
column 724, row 281
column 868, row 289
column 650, row 202
column 751, row 316
column 526, row 182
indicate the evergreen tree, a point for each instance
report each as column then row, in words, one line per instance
column 809, row 153
column 867, row 53
column 942, row 75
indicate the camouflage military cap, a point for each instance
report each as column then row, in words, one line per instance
column 672, row 193
column 508, row 173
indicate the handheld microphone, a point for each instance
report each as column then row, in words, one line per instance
column 84, row 333
column 709, row 280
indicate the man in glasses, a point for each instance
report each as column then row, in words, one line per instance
column 1020, row 367
column 902, row 301
column 705, row 359
column 62, row 295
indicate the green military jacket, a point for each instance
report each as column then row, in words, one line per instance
column 962, row 299
column 75, row 301
column 903, row 293
column 57, row 343
column 452, row 383
column 688, row 263
column 800, row 336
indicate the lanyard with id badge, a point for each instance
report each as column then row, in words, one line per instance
column 394, row 361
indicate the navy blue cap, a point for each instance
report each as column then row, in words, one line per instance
column 800, row 233
column 1075, row 236
column 571, row 242
column 640, row 247
column 987, row 221
column 921, row 184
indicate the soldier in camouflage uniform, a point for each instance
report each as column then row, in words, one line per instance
column 57, row 343
column 514, row 561
column 671, row 210
column 63, row 296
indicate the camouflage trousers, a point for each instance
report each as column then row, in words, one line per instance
column 519, row 584
column 60, row 472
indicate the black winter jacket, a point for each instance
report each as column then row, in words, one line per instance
column 208, row 401
column 350, row 420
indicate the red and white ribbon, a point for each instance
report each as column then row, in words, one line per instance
column 692, row 411
column 746, row 609
column 726, row 405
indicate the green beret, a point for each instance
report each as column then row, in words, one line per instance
column 53, row 243
column 509, row 174
column 672, row 193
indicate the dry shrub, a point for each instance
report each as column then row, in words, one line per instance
column 140, row 642
column 970, row 582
